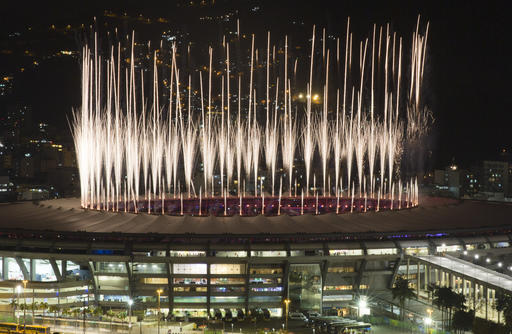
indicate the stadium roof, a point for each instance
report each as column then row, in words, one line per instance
column 434, row 216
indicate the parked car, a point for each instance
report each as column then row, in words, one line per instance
column 297, row 316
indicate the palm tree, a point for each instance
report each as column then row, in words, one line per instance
column 110, row 314
column 97, row 311
column 504, row 304
column 447, row 300
column 23, row 307
column 55, row 310
column 33, row 307
column 402, row 291
column 122, row 316
column 76, row 312
column 43, row 306
column 14, row 306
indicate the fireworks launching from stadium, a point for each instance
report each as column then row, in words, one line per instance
column 216, row 149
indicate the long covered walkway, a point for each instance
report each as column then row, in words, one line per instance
column 479, row 285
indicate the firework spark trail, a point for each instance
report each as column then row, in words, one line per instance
column 323, row 134
column 288, row 145
column 124, row 134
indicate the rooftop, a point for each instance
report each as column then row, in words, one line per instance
column 434, row 216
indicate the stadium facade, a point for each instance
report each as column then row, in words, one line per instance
column 74, row 257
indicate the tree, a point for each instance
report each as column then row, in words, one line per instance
column 76, row 313
column 504, row 304
column 402, row 291
column 447, row 300
column 55, row 310
column 43, row 306
column 463, row 321
column 122, row 316
column 14, row 306
column 33, row 307
column 110, row 314
column 23, row 307
column 97, row 311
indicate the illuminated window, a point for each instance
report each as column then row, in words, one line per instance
column 187, row 280
column 154, row 280
column 337, row 287
column 190, row 289
column 416, row 251
column 44, row 270
column 281, row 253
column 149, row 268
column 340, row 270
column 228, row 289
column 346, row 252
column 226, row 280
column 231, row 253
column 112, row 283
column 190, row 299
column 228, row 269
column 190, row 268
column 261, row 280
column 227, row 299
column 266, row 271
column 111, row 267
column 382, row 251
column 451, row 248
column 175, row 253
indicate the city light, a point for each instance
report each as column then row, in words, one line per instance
column 363, row 308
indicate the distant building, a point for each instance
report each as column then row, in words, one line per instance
column 7, row 189
column 494, row 179
column 448, row 181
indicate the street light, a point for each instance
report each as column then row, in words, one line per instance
column 363, row 306
column 428, row 320
column 286, row 303
column 18, row 290
column 159, row 292
column 25, row 302
column 130, row 303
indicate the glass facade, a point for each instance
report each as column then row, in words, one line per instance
column 111, row 267
column 44, row 271
column 190, row 280
column 227, row 299
column 190, row 268
column 345, row 252
column 227, row 269
column 269, row 253
column 176, row 253
column 305, row 287
column 190, row 299
column 256, row 281
column 231, row 253
column 149, row 268
column 382, row 251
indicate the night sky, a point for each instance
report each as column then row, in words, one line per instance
column 468, row 71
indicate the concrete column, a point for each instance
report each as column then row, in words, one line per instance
column 208, row 288
column 474, row 295
column 407, row 269
column 486, row 294
column 32, row 269
column 418, row 280
column 5, row 269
